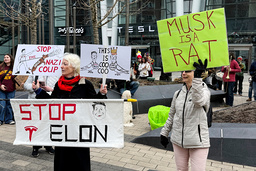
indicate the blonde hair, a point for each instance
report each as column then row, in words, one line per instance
column 74, row 61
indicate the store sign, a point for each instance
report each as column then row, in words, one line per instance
column 78, row 31
column 187, row 38
column 139, row 29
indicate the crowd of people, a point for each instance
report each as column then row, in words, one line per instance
column 230, row 78
column 194, row 94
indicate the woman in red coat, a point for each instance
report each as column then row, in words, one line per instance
column 229, row 78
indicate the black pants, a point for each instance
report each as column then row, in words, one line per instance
column 239, row 81
column 72, row 159
column 38, row 147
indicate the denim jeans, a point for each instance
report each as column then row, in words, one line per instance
column 228, row 87
column 6, row 113
column 239, row 82
column 254, row 89
column 134, row 85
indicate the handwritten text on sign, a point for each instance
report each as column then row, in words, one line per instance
column 38, row 60
column 185, row 39
column 114, row 61
column 80, row 123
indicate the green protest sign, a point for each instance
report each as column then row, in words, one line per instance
column 185, row 39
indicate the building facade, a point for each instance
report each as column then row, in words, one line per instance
column 69, row 23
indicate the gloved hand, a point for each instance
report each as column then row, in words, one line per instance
column 200, row 68
column 164, row 141
column 204, row 75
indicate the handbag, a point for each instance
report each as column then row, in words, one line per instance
column 5, row 75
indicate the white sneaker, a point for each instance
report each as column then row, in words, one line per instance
column 12, row 123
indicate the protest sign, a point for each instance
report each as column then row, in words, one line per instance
column 185, row 39
column 69, row 122
column 42, row 60
column 114, row 61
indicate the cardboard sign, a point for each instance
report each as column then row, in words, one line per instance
column 69, row 122
column 38, row 60
column 113, row 61
column 185, row 39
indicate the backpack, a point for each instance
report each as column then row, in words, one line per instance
column 209, row 113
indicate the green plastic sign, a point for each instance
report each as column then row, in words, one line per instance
column 187, row 38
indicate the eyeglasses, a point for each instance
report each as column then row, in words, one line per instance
column 187, row 71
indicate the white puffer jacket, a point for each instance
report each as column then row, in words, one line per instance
column 187, row 117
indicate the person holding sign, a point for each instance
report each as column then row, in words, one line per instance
column 188, row 121
column 71, row 86
column 7, row 86
column 47, row 83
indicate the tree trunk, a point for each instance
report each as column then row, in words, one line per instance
column 33, row 25
column 94, row 14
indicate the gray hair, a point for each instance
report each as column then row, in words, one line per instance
column 74, row 61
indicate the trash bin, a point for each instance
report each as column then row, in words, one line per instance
column 157, row 116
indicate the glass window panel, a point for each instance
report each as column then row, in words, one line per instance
column 158, row 14
column 163, row 4
column 121, row 19
column 242, row 0
column 186, row 6
column 151, row 4
column 214, row 2
column 59, row 2
column 60, row 21
column 148, row 16
column 133, row 19
column 230, row 25
column 252, row 9
column 230, row 11
column 173, row 9
column 246, row 24
column 213, row 7
column 230, row 1
column 243, row 10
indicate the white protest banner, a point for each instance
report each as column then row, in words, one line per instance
column 42, row 60
column 114, row 61
column 69, row 122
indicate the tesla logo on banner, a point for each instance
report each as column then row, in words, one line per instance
column 30, row 129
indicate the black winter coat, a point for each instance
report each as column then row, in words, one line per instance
column 73, row 158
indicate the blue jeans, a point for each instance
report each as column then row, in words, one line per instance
column 254, row 89
column 250, row 90
column 6, row 113
column 228, row 87
column 134, row 85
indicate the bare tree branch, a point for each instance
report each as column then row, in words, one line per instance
column 13, row 11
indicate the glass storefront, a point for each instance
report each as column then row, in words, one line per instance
column 240, row 19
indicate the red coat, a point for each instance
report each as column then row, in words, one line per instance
column 232, row 74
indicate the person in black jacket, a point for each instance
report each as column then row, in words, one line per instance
column 71, row 86
column 130, row 85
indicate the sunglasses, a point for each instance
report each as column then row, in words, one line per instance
column 187, row 71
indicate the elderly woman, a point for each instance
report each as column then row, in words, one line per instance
column 188, row 121
column 71, row 85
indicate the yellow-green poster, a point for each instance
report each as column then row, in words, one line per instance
column 185, row 39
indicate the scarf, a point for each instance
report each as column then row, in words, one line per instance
column 67, row 85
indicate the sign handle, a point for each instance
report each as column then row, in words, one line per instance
column 104, row 76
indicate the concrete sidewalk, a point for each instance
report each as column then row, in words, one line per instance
column 131, row 157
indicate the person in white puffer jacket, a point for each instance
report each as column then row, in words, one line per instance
column 188, row 121
column 47, row 83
